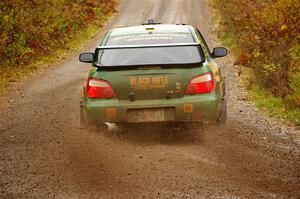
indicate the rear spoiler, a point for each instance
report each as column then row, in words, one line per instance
column 98, row 48
column 147, row 46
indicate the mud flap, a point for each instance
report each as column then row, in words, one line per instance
column 222, row 120
column 83, row 123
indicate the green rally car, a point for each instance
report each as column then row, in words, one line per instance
column 153, row 73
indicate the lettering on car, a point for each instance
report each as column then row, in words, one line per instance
column 158, row 82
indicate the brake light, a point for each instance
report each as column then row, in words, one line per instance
column 201, row 84
column 96, row 88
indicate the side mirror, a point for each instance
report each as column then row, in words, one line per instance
column 86, row 57
column 219, row 52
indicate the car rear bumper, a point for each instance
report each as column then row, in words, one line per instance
column 186, row 109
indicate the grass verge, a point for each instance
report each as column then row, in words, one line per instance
column 266, row 101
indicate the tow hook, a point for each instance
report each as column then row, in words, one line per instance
column 132, row 96
column 169, row 94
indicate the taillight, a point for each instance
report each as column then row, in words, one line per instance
column 96, row 88
column 201, row 84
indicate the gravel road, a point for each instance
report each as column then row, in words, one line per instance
column 44, row 153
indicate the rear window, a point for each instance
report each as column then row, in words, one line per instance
column 174, row 55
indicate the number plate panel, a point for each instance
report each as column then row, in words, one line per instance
column 151, row 115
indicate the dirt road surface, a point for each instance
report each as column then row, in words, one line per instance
column 44, row 154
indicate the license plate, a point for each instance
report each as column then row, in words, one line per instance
column 151, row 115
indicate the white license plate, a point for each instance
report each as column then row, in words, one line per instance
column 151, row 115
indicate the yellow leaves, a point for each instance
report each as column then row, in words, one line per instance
column 6, row 18
column 269, row 67
column 283, row 27
column 257, row 53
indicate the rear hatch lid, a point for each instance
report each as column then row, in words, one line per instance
column 150, row 83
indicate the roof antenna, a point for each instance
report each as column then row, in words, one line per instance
column 151, row 22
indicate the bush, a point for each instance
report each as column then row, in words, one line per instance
column 30, row 29
column 267, row 34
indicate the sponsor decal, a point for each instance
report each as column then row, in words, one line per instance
column 188, row 108
column 143, row 37
column 144, row 83
column 111, row 112
column 178, row 86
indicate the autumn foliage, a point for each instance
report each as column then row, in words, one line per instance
column 267, row 34
column 30, row 29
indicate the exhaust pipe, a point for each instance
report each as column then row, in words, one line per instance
column 111, row 126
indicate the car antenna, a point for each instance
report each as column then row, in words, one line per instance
column 151, row 22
